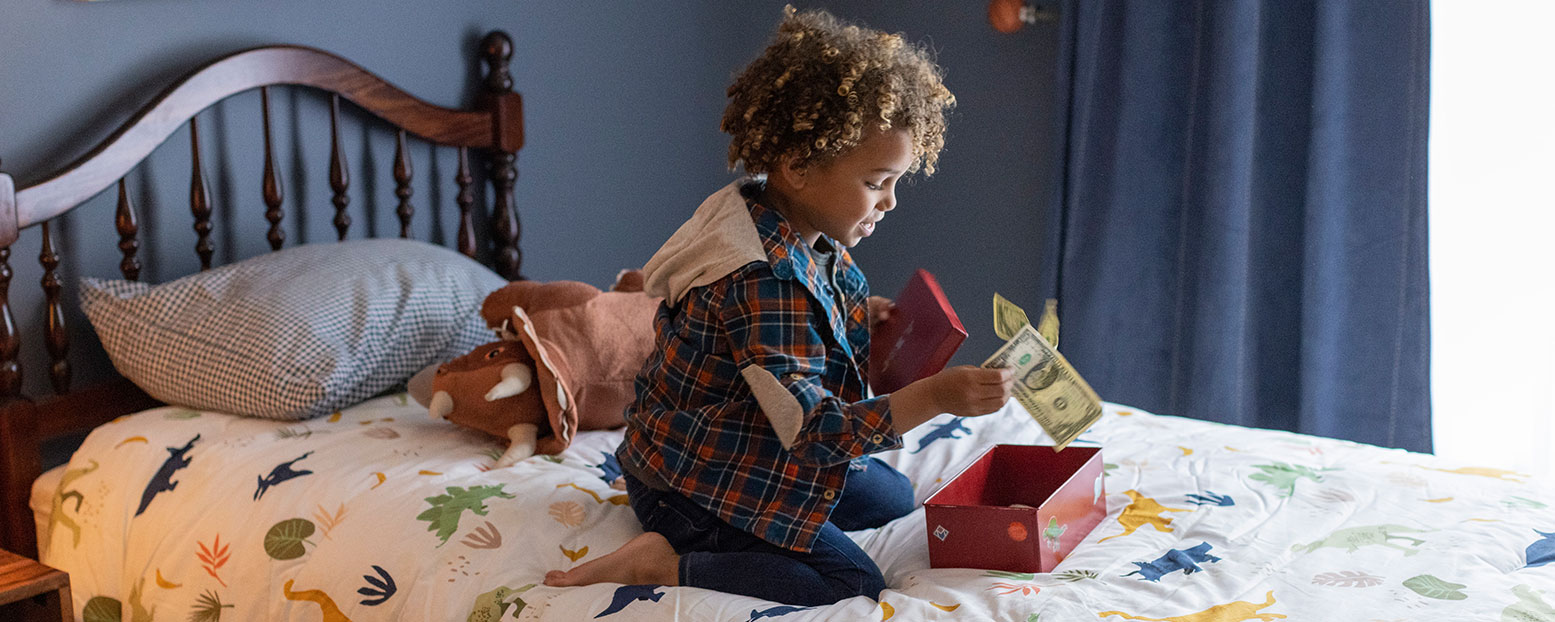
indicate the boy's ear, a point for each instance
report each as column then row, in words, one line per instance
column 791, row 173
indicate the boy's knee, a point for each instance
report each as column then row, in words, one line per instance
column 857, row 581
column 872, row 585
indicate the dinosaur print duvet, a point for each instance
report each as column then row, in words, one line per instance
column 378, row 513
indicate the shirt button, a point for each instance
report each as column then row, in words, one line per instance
column 829, row 495
column 877, row 439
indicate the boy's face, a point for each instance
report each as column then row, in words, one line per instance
column 847, row 196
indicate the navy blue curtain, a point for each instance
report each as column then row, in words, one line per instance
column 1242, row 231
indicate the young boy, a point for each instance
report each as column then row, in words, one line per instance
column 746, row 452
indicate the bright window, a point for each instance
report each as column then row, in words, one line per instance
column 1492, row 233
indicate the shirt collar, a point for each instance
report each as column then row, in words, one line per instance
column 786, row 251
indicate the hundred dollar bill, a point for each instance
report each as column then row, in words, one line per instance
column 1048, row 325
column 1007, row 318
column 1048, row 387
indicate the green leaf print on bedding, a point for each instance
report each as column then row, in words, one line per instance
column 1515, row 502
column 208, row 608
column 285, row 540
column 443, row 516
column 1432, row 587
column 101, row 609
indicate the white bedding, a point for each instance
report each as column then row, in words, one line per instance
column 398, row 519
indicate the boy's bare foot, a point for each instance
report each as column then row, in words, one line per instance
column 645, row 559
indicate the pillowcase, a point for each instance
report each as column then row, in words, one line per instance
column 295, row 333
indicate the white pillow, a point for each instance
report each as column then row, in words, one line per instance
column 295, row 333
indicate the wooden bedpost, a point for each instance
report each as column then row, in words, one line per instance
column 507, row 110
column 19, row 462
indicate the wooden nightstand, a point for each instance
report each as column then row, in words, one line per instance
column 21, row 579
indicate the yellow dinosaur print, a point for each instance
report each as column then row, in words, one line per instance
column 326, row 604
column 616, row 500
column 1143, row 511
column 1236, row 611
column 165, row 584
column 1500, row 474
column 58, row 517
column 138, row 611
column 945, row 607
column 132, row 439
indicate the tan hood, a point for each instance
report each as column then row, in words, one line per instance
column 717, row 240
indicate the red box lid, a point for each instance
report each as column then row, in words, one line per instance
column 971, row 523
column 919, row 338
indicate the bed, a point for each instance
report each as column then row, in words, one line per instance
column 367, row 509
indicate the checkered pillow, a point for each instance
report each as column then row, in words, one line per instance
column 296, row 333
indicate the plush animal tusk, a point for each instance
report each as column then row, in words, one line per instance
column 521, row 437
column 516, row 378
column 440, row 405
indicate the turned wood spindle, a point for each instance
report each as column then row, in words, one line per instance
column 402, row 189
column 339, row 178
column 505, row 226
column 129, row 228
column 466, row 201
column 272, row 182
column 10, row 342
column 57, row 340
column 199, row 199
column 497, row 49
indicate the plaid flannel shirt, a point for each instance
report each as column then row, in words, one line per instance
column 697, row 423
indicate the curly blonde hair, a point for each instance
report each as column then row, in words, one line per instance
column 813, row 92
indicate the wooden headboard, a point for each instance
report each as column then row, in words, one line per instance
column 493, row 128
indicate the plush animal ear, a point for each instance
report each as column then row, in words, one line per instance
column 551, row 377
column 420, row 385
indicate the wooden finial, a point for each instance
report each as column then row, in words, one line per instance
column 497, row 49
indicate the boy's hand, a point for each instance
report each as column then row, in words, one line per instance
column 964, row 391
column 880, row 309
column 969, row 391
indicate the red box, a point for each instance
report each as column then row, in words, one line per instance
column 971, row 523
column 919, row 338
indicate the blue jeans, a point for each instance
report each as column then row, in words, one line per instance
column 718, row 556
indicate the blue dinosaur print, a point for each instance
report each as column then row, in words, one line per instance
column 944, row 430
column 378, row 590
column 1186, row 560
column 1542, row 551
column 1210, row 498
column 773, row 612
column 627, row 594
column 163, row 480
column 280, row 473
column 611, row 467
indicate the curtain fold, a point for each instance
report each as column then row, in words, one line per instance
column 1242, row 227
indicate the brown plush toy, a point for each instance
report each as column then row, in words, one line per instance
column 567, row 360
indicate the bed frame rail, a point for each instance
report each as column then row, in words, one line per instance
column 493, row 127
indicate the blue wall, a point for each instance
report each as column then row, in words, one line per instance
column 622, row 110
